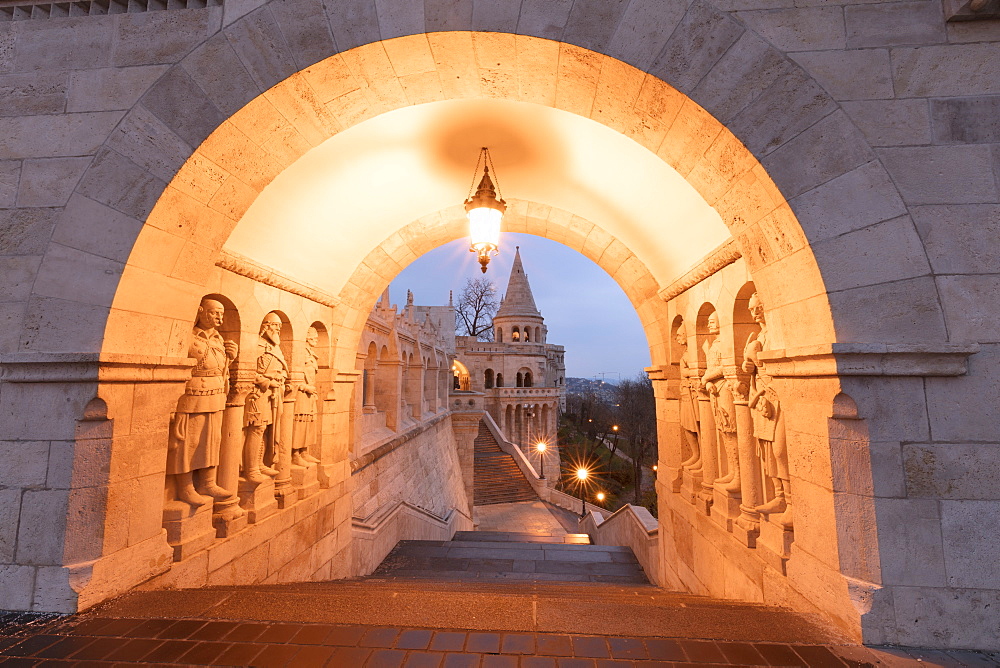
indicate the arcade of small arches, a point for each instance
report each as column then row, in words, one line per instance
column 521, row 334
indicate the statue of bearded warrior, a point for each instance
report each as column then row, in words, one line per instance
column 720, row 395
column 688, row 404
column 196, row 427
column 264, row 403
column 768, row 420
column 304, row 435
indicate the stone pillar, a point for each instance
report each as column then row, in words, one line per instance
column 467, row 413
column 709, row 454
column 228, row 517
column 726, row 506
column 747, row 525
column 284, row 492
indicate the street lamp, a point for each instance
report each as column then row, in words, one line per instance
column 600, row 498
column 581, row 476
column 485, row 211
column 540, row 447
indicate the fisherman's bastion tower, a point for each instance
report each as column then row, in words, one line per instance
column 522, row 375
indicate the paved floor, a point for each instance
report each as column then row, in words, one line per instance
column 387, row 622
column 526, row 516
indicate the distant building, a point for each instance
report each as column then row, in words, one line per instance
column 522, row 375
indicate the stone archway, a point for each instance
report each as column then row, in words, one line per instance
column 775, row 181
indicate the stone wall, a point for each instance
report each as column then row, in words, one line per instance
column 419, row 467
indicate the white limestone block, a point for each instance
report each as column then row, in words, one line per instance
column 861, row 74
column 910, row 540
column 971, row 70
column 799, row 28
column 49, row 181
column 891, row 122
column 969, row 530
column 894, row 24
column 942, row 174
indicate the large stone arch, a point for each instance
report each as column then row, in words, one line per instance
column 777, row 179
column 794, row 180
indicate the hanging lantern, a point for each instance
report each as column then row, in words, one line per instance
column 485, row 211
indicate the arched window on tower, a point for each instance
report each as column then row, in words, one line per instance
column 515, row 334
column 527, row 335
column 538, row 335
column 488, row 379
column 499, row 380
column 499, row 334
column 527, row 379
column 519, row 380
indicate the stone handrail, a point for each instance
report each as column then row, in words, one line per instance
column 633, row 527
column 526, row 391
column 376, row 534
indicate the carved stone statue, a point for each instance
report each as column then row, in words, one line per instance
column 264, row 403
column 409, row 298
column 688, row 404
column 196, row 427
column 723, row 408
column 305, row 405
column 768, row 420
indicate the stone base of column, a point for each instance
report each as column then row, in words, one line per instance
column 747, row 527
column 189, row 528
column 725, row 508
column 257, row 498
column 228, row 518
column 305, row 479
column 706, row 496
column 774, row 545
column 324, row 473
column 676, row 478
column 690, row 486
column 285, row 493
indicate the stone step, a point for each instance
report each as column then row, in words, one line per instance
column 523, row 537
column 496, row 476
column 511, row 559
column 495, row 605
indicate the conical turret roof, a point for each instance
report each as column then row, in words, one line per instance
column 518, row 300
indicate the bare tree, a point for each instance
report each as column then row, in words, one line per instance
column 637, row 423
column 477, row 304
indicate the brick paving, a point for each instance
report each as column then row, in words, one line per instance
column 87, row 640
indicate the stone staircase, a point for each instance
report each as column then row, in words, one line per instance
column 497, row 478
column 509, row 556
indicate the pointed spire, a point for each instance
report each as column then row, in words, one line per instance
column 518, row 300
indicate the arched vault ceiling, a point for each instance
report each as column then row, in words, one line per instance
column 345, row 196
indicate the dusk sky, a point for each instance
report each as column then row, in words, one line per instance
column 584, row 309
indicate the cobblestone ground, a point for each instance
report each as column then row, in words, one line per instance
column 87, row 640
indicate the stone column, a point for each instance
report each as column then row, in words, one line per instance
column 747, row 525
column 709, row 454
column 467, row 413
column 228, row 517
column 284, row 492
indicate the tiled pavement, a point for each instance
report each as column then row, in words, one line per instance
column 102, row 641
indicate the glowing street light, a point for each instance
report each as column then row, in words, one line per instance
column 581, row 477
column 485, row 211
column 600, row 498
column 540, row 447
